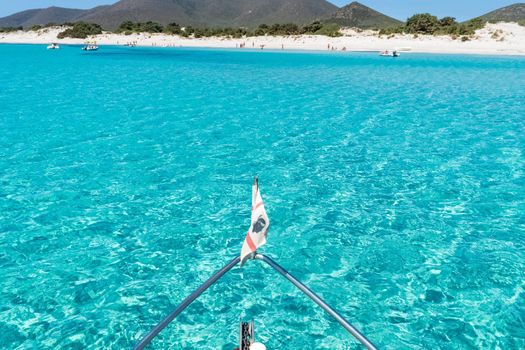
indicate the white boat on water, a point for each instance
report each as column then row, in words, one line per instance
column 90, row 47
column 387, row 53
column 53, row 46
column 255, row 238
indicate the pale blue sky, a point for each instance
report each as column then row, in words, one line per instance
column 401, row 9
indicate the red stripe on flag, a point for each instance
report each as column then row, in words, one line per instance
column 250, row 242
column 257, row 206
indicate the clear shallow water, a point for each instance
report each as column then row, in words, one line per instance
column 396, row 190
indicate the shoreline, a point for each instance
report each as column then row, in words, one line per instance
column 501, row 39
column 286, row 50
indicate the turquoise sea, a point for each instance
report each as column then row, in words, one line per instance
column 396, row 190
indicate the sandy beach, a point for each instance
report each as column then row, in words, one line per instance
column 493, row 39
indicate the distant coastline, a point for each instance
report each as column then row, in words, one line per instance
column 494, row 39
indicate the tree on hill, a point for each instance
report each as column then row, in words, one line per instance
column 152, row 27
column 425, row 23
column 312, row 27
column 129, row 27
column 10, row 29
column 126, row 26
column 447, row 21
column 173, row 28
column 422, row 23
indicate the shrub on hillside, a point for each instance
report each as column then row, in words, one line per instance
column 427, row 24
column 447, row 21
column 474, row 24
column 422, row 23
column 126, row 26
column 173, row 28
column 312, row 28
column 81, row 30
column 330, row 29
column 140, row 27
column 151, row 27
column 10, row 29
column 49, row 25
column 392, row 30
column 317, row 27
column 188, row 31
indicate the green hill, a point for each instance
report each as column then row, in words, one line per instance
column 361, row 16
column 41, row 16
column 512, row 13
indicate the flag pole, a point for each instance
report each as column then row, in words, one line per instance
column 346, row 325
column 185, row 303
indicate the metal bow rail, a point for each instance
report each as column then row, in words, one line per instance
column 303, row 288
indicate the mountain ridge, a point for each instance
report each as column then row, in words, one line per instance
column 184, row 12
column 356, row 14
column 213, row 13
column 47, row 15
column 43, row 16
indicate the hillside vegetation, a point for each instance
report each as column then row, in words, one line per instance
column 10, row 29
column 315, row 27
column 81, row 30
column 425, row 23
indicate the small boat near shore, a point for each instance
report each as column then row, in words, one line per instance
column 387, row 53
column 53, row 46
column 90, row 47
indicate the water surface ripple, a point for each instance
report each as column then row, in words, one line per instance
column 396, row 190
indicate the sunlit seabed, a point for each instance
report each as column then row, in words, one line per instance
column 396, row 190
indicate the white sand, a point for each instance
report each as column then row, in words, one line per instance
column 496, row 39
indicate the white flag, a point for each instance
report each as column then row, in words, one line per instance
column 256, row 236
